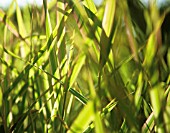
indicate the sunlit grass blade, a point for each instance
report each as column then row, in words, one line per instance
column 138, row 93
column 48, row 23
column 98, row 123
column 156, row 101
column 21, row 25
column 106, row 110
column 84, row 118
column 107, row 31
column 150, row 51
column 11, row 9
column 90, row 5
column 79, row 64
column 149, row 124
column 52, row 55
column 12, row 54
column 156, row 94
column 80, row 10
column 93, row 17
column 108, row 17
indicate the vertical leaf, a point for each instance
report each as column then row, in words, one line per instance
column 48, row 24
column 77, row 68
column 156, row 100
column 108, row 16
column 98, row 123
column 156, row 95
column 52, row 56
column 21, row 25
column 150, row 51
column 107, row 31
column 138, row 92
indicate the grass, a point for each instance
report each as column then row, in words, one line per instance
column 70, row 66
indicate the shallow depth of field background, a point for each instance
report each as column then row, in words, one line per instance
column 72, row 66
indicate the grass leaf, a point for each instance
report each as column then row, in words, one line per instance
column 84, row 118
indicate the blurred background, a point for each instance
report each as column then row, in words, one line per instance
column 5, row 3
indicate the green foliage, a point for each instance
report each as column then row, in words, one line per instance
column 70, row 66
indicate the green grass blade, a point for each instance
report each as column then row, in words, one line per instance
column 12, row 54
column 52, row 56
column 79, row 96
column 156, row 95
column 108, row 17
column 81, row 10
column 138, row 93
column 84, row 118
column 48, row 24
column 8, row 23
column 21, row 25
column 156, row 101
column 150, row 51
column 90, row 5
column 107, row 31
column 79, row 64
column 98, row 123
column 149, row 124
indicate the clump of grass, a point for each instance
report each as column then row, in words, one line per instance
column 70, row 66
